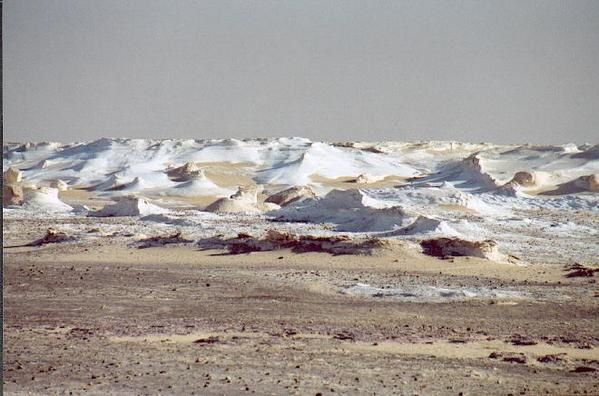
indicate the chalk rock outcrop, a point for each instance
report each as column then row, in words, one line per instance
column 296, row 193
column 244, row 200
column 12, row 176
column 12, row 194
column 444, row 247
column 129, row 206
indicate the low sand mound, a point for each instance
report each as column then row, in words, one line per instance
column 186, row 172
column 12, row 176
column 293, row 194
column 244, row 200
column 348, row 210
column 45, row 199
column 277, row 240
column 12, row 194
column 447, row 247
column 129, row 206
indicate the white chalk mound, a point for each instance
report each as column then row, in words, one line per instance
column 198, row 185
column 424, row 225
column 293, row 194
column 111, row 183
column 186, row 172
column 245, row 200
column 467, row 174
column 129, row 206
column 348, row 210
column 46, row 200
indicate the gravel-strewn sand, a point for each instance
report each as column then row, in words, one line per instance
column 137, row 305
column 176, row 320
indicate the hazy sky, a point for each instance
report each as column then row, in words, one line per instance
column 502, row 71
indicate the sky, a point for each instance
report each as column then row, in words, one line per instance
column 496, row 71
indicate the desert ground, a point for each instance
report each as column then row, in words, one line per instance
column 113, row 319
column 285, row 266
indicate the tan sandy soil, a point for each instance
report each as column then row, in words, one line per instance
column 186, row 202
column 226, row 174
column 78, row 196
column 118, row 320
column 347, row 183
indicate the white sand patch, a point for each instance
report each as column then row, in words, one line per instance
column 423, row 293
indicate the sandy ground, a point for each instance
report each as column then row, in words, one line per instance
column 113, row 319
column 349, row 182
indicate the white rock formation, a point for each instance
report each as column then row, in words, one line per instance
column 296, row 193
column 12, row 176
column 244, row 200
column 45, row 199
column 129, row 206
